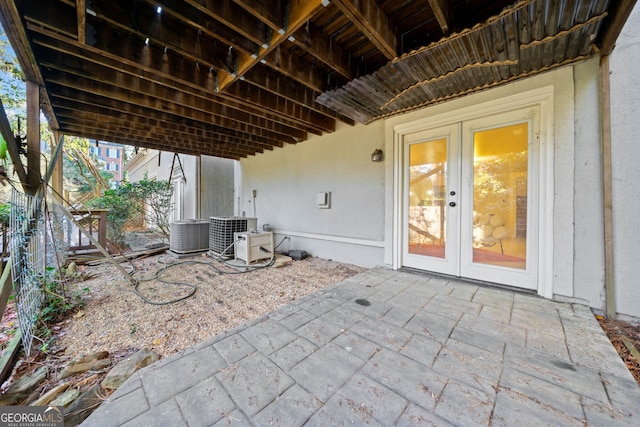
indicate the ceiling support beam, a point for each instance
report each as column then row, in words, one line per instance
column 299, row 12
column 134, row 114
column 367, row 16
column 310, row 38
column 271, row 81
column 33, row 138
column 81, row 13
column 612, row 25
column 444, row 14
column 210, row 24
column 282, row 60
column 86, row 113
column 233, row 16
column 198, row 82
column 185, row 106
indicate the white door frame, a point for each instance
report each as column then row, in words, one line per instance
column 541, row 98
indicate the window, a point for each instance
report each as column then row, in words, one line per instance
column 113, row 153
column 112, row 166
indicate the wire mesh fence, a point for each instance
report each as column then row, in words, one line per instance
column 28, row 266
column 35, row 247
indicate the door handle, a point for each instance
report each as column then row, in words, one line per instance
column 452, row 204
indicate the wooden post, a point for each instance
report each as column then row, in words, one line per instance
column 33, row 137
column 56, row 177
column 607, row 187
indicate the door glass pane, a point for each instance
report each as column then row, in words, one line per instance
column 427, row 186
column 500, row 196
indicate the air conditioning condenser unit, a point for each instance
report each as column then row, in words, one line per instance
column 189, row 235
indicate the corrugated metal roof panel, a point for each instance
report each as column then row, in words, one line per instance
column 530, row 37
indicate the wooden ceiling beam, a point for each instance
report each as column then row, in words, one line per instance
column 142, row 20
column 208, row 24
column 81, row 14
column 233, row 16
column 612, row 25
column 172, row 141
column 298, row 13
column 443, row 11
column 272, row 81
column 267, row 100
column 271, row 12
column 280, row 59
column 52, row 14
column 367, row 16
column 139, row 91
column 89, row 112
column 124, row 101
column 199, row 83
column 241, row 107
column 123, row 138
column 311, row 39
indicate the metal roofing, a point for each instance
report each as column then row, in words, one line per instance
column 528, row 38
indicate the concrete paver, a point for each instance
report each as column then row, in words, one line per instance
column 391, row 348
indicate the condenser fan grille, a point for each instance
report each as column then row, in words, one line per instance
column 221, row 231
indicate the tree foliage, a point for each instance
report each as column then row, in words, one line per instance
column 157, row 196
column 81, row 169
column 13, row 92
column 127, row 199
column 120, row 208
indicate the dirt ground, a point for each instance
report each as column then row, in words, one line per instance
column 624, row 335
column 179, row 303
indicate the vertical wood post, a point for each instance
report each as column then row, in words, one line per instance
column 607, row 186
column 56, row 177
column 33, row 137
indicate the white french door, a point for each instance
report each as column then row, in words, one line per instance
column 470, row 198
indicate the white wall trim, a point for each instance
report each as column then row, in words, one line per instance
column 330, row 238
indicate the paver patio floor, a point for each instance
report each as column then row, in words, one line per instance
column 392, row 348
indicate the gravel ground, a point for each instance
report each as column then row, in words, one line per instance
column 114, row 318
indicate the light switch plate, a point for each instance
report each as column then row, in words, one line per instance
column 323, row 199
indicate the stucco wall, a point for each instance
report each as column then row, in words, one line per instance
column 287, row 180
column 625, row 112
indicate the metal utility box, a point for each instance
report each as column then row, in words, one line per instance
column 250, row 247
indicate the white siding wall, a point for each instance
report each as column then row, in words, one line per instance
column 625, row 111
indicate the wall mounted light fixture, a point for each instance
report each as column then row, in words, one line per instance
column 377, row 155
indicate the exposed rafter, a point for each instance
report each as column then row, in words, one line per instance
column 235, row 78
column 372, row 22
column 444, row 14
